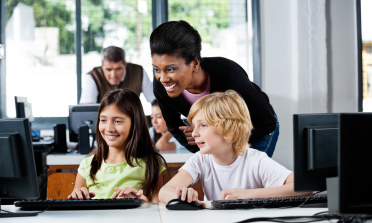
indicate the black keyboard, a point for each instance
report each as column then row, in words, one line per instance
column 120, row 203
column 319, row 200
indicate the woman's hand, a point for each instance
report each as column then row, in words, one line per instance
column 190, row 193
column 187, row 130
column 81, row 194
column 129, row 192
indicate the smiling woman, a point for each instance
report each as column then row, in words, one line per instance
column 183, row 76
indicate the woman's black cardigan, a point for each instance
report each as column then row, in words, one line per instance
column 224, row 75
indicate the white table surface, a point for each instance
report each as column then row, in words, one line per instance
column 156, row 212
column 171, row 156
column 149, row 212
column 225, row 216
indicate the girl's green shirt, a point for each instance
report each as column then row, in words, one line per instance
column 110, row 176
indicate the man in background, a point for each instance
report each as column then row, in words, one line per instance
column 115, row 73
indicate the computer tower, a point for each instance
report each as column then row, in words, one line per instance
column 60, row 138
column 83, row 140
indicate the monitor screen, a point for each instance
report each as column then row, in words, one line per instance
column 315, row 150
column 82, row 115
column 355, row 163
column 18, row 179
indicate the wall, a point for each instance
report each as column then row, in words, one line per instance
column 309, row 51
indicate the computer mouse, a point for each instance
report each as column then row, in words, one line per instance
column 178, row 204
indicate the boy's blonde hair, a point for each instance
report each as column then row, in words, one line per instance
column 229, row 113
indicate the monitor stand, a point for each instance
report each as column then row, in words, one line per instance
column 4, row 214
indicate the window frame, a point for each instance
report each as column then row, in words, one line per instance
column 359, row 55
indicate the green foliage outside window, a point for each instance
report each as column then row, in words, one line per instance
column 206, row 16
column 50, row 14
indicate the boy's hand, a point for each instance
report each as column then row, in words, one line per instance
column 187, row 130
column 128, row 192
column 190, row 193
column 232, row 194
column 81, row 193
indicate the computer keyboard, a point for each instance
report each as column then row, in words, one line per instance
column 318, row 200
column 120, row 203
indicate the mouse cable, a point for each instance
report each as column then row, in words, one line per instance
column 313, row 218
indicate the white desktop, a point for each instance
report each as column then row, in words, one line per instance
column 157, row 213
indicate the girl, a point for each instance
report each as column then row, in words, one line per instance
column 125, row 163
column 159, row 133
column 182, row 77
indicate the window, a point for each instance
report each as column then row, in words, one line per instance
column 41, row 59
column 40, row 56
column 125, row 24
column 366, row 18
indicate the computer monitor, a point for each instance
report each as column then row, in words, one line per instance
column 23, row 108
column 18, row 179
column 355, row 166
column 315, row 150
column 324, row 143
column 82, row 115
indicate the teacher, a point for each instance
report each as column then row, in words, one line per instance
column 182, row 77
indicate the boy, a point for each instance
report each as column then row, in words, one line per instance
column 227, row 167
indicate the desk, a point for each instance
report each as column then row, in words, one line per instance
column 174, row 158
column 156, row 212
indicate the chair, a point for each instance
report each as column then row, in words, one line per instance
column 60, row 185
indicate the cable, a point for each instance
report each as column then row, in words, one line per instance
column 287, row 219
column 309, row 198
column 319, row 213
column 314, row 218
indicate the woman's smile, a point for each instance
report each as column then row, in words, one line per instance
column 170, row 87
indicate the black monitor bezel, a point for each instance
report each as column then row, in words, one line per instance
column 353, row 172
column 27, row 186
column 305, row 180
column 73, row 135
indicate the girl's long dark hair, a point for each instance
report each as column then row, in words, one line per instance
column 139, row 144
column 157, row 136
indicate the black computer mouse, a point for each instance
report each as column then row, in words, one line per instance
column 178, row 204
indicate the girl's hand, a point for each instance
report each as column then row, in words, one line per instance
column 187, row 130
column 233, row 194
column 190, row 193
column 129, row 192
column 81, row 194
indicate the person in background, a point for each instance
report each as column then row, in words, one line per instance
column 183, row 76
column 227, row 168
column 125, row 163
column 159, row 133
column 115, row 73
